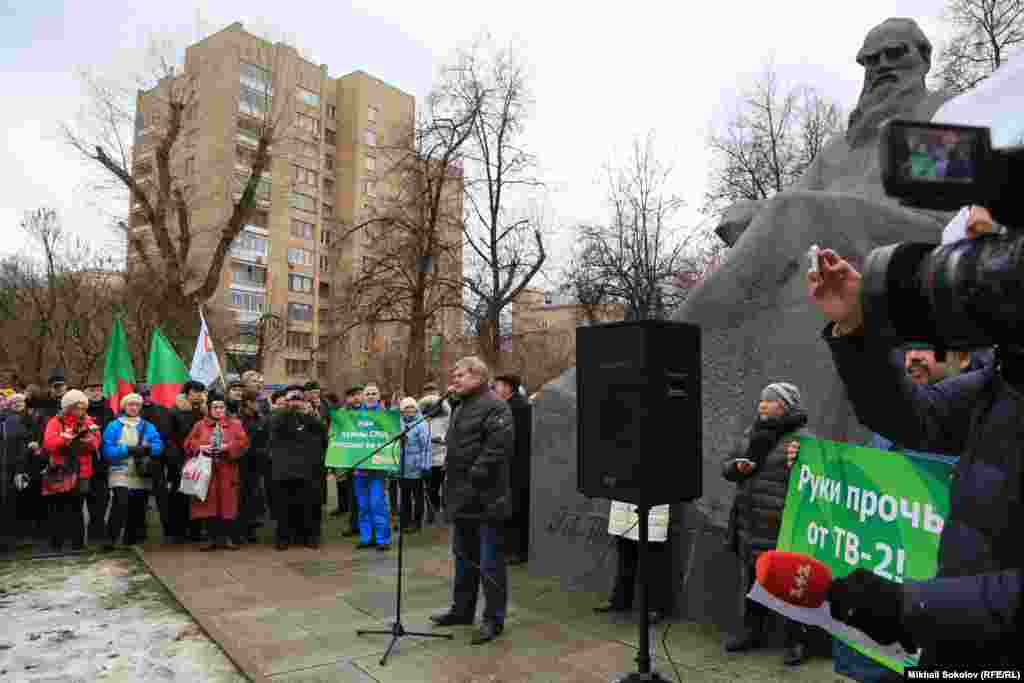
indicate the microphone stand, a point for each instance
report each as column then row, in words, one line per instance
column 643, row 657
column 397, row 630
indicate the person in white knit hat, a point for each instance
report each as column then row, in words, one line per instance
column 130, row 445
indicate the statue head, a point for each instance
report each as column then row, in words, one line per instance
column 896, row 57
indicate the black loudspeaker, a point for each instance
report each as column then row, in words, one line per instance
column 639, row 412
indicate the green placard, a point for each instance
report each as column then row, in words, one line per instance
column 355, row 434
column 856, row 507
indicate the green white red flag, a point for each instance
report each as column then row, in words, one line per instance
column 118, row 373
column 165, row 373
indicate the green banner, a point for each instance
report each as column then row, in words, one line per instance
column 355, row 434
column 856, row 507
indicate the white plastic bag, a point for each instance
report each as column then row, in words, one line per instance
column 195, row 477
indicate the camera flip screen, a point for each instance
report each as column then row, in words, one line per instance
column 939, row 154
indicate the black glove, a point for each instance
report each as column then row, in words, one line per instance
column 873, row 605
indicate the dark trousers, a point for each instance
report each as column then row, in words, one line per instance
column 128, row 514
column 10, row 525
column 479, row 549
column 518, row 527
column 412, row 502
column 343, row 487
column 755, row 614
column 66, row 520
column 295, row 500
column 393, row 496
column 434, row 483
column 97, row 501
column 318, row 499
column 657, row 575
column 175, row 507
column 251, row 506
column 353, row 504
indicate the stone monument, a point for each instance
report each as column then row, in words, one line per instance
column 757, row 327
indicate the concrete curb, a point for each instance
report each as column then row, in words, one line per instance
column 234, row 650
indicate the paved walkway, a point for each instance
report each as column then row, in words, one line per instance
column 292, row 616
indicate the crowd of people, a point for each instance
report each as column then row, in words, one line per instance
column 74, row 471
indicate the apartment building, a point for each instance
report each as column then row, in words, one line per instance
column 324, row 177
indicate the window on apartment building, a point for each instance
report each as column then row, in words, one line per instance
column 190, row 166
column 255, row 103
column 302, row 229
column 325, row 263
column 190, row 137
column 370, row 188
column 300, row 312
column 327, row 210
column 325, row 290
column 302, row 201
column 251, row 276
column 300, row 257
column 303, row 175
column 328, row 188
column 300, row 283
column 371, row 138
column 191, row 111
column 330, row 137
column 256, row 78
column 246, row 301
column 371, row 114
column 251, row 243
column 371, row 164
column 297, row 368
column 325, row 316
column 299, row 340
column 321, row 369
column 308, row 124
column 259, row 219
column 328, row 162
column 307, row 97
column 332, row 111
column 325, row 237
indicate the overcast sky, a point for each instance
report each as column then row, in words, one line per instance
column 602, row 74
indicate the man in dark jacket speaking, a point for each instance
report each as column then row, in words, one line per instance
column 968, row 615
column 480, row 441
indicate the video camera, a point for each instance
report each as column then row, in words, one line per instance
column 964, row 295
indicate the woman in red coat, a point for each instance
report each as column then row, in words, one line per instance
column 223, row 439
column 71, row 442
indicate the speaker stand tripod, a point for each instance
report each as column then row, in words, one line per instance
column 397, row 630
column 643, row 674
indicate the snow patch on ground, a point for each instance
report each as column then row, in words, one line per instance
column 99, row 618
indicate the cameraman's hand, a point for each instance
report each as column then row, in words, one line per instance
column 21, row 482
column 836, row 290
column 873, row 605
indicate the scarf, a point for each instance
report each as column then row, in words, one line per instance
column 765, row 433
column 130, row 431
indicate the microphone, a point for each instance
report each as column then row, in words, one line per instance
column 794, row 578
column 439, row 406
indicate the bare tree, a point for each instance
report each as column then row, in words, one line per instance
column 255, row 345
column 503, row 236
column 985, row 32
column 769, row 142
column 635, row 260
column 116, row 135
column 61, row 299
column 411, row 275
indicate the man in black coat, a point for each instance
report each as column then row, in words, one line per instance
column 478, row 498
column 46, row 407
column 252, row 504
column 99, row 491
column 507, row 388
column 297, row 445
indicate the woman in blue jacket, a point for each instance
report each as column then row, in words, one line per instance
column 129, row 445
column 418, row 461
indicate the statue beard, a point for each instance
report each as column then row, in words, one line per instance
column 888, row 101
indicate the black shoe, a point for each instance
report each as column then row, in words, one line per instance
column 281, row 545
column 384, row 548
column 208, row 547
column 450, row 618
column 489, row 630
column 517, row 559
column 364, row 546
column 748, row 640
column 610, row 607
column 795, row 655
column 231, row 545
column 313, row 543
column 109, row 547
